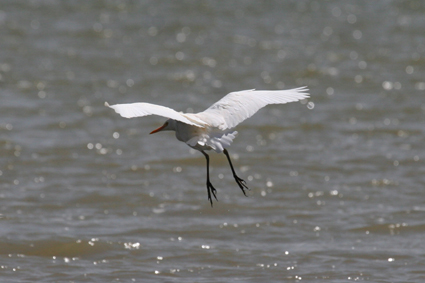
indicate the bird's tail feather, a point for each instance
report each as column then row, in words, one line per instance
column 219, row 142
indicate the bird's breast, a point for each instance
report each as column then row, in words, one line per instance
column 185, row 132
column 204, row 138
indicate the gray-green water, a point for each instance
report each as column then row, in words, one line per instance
column 337, row 183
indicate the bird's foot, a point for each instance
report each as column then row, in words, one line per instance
column 211, row 191
column 241, row 183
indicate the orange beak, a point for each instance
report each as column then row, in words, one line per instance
column 159, row 129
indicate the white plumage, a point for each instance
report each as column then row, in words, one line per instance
column 211, row 129
column 238, row 106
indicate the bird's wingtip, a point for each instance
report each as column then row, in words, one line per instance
column 107, row 104
column 303, row 90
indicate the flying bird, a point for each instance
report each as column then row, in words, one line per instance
column 212, row 129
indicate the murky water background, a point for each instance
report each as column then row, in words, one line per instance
column 337, row 182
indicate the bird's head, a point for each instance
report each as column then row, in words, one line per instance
column 169, row 125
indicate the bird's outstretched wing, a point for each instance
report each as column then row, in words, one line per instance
column 238, row 106
column 141, row 109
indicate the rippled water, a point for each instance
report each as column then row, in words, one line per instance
column 337, row 182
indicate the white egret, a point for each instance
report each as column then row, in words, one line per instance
column 212, row 128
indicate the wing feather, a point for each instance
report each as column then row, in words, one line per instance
column 235, row 107
column 141, row 109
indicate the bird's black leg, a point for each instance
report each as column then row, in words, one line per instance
column 210, row 188
column 238, row 180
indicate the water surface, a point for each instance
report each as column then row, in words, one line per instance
column 337, row 182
